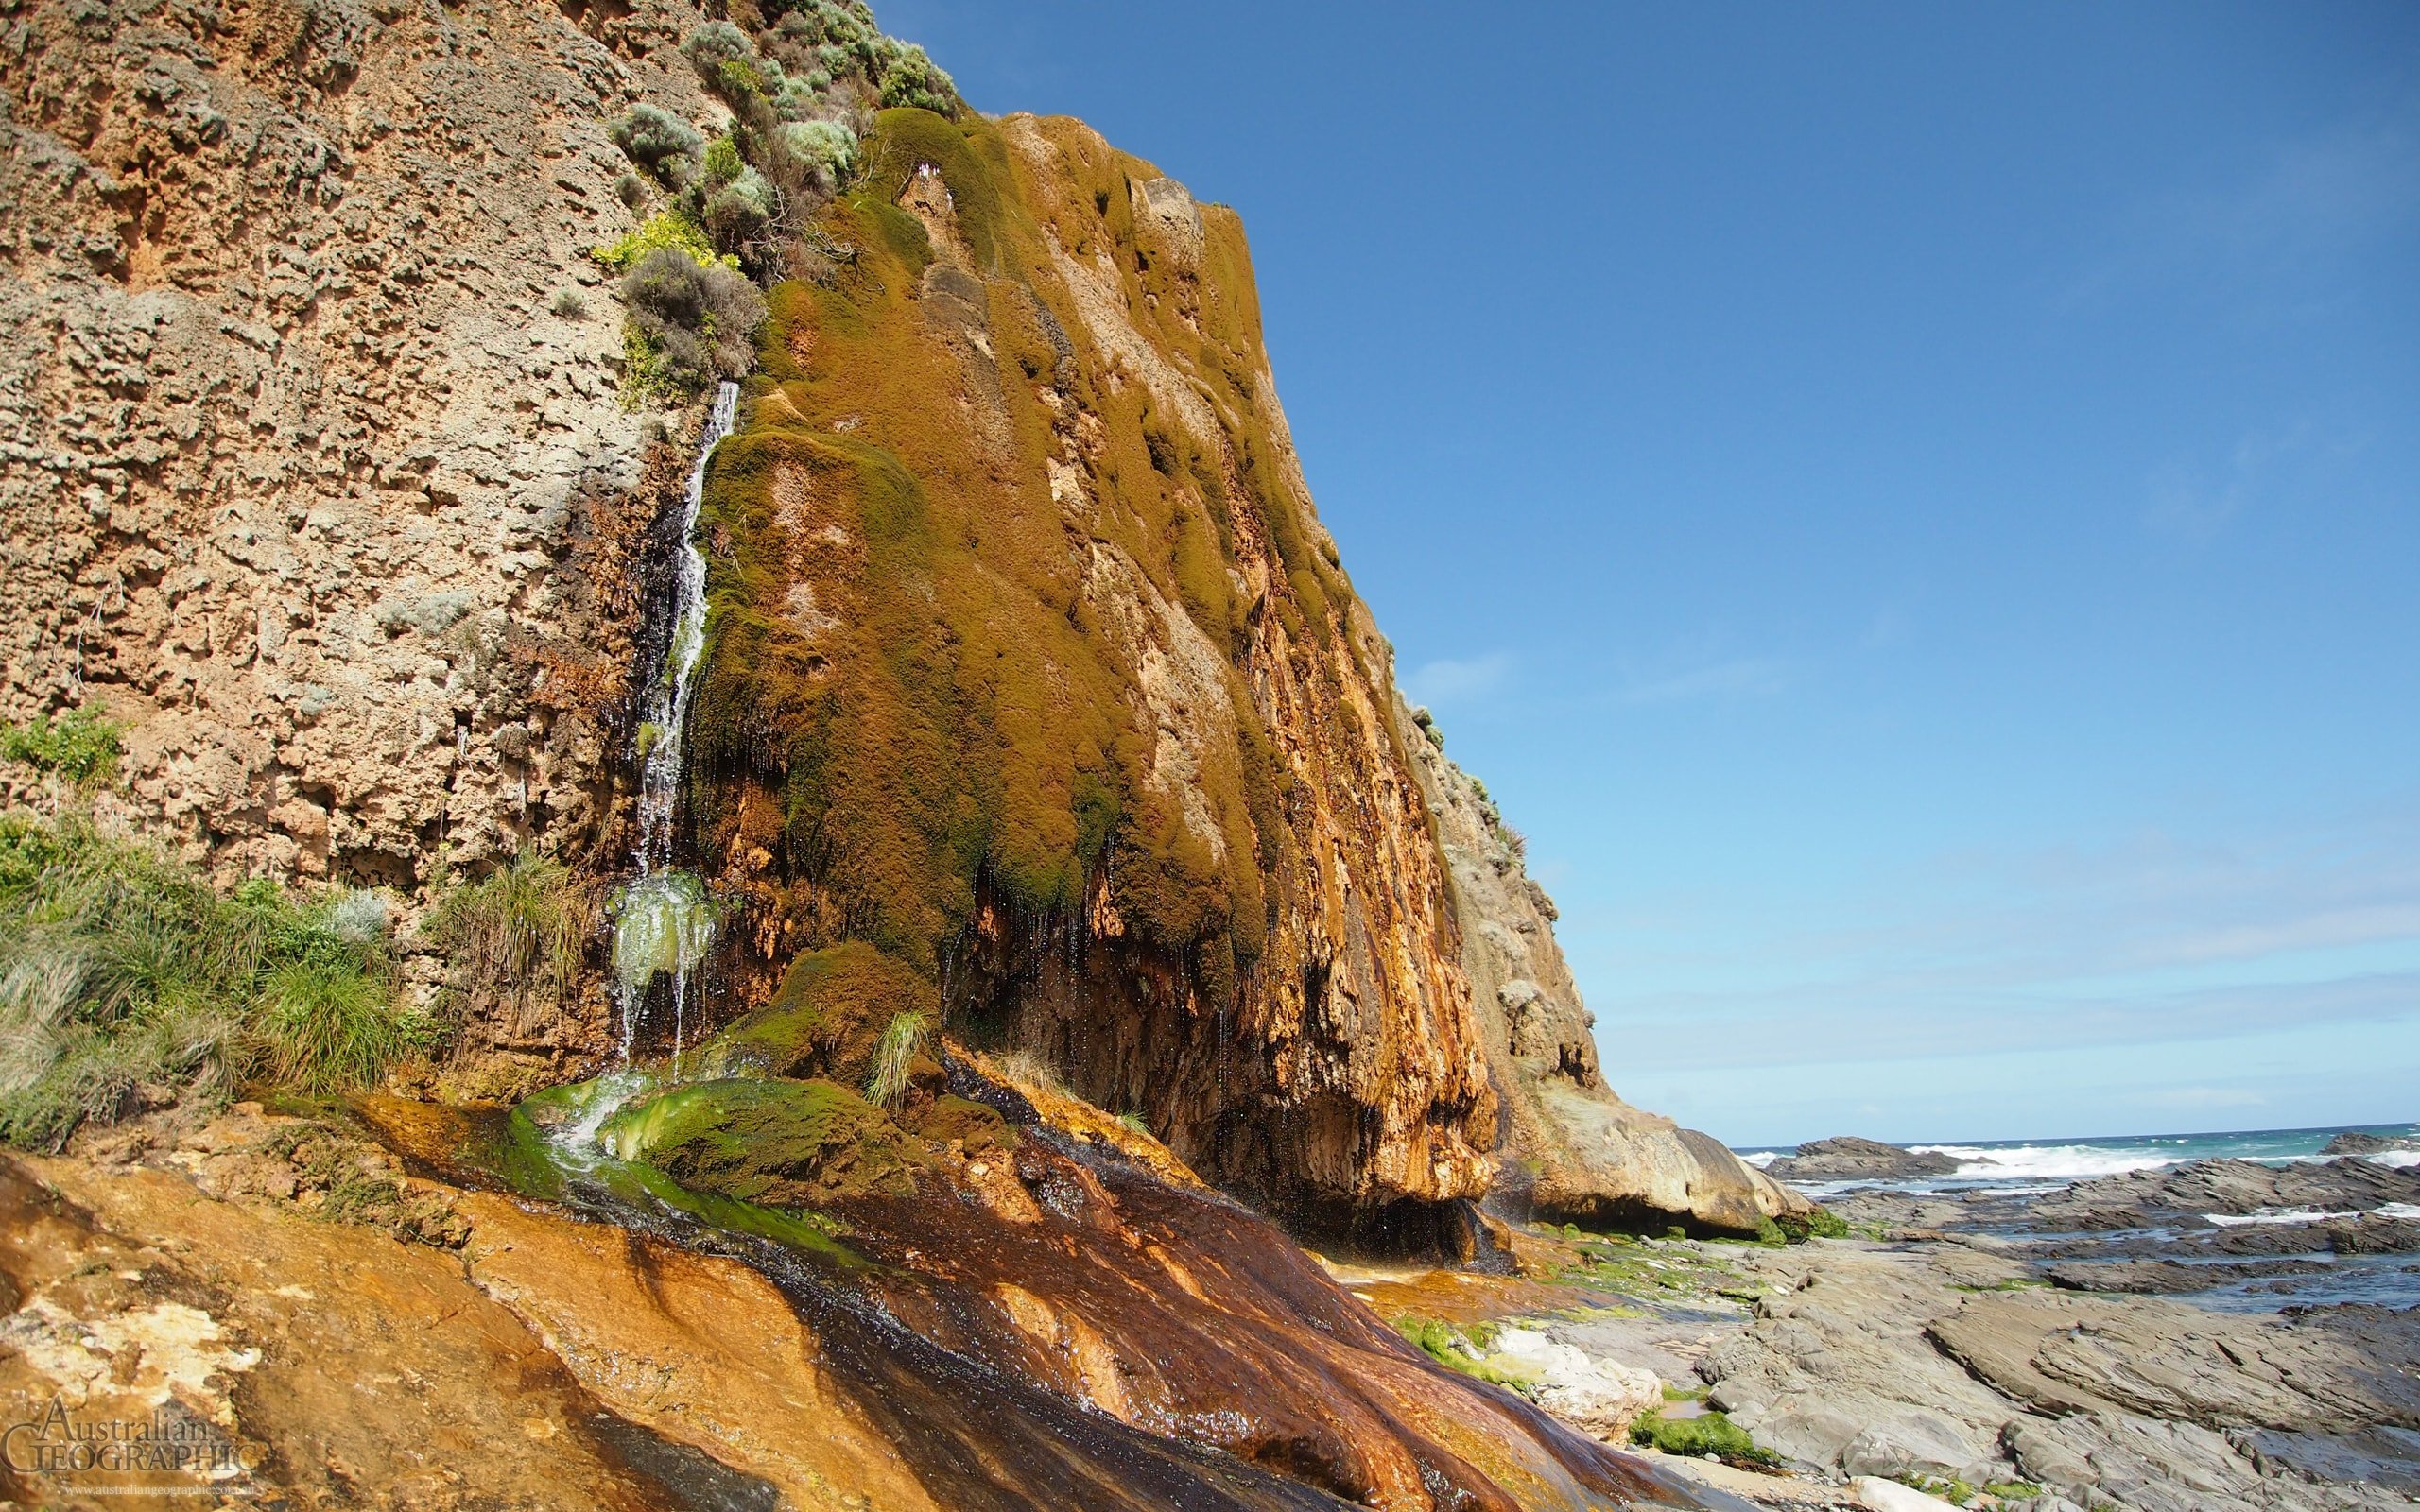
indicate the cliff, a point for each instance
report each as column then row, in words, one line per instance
column 1572, row 1150
column 1028, row 662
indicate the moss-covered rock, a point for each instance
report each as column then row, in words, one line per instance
column 976, row 1129
column 1031, row 666
column 825, row 1020
column 777, row 1142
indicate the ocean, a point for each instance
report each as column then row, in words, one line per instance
column 2045, row 1165
column 2018, row 1167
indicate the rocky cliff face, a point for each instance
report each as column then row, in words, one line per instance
column 315, row 469
column 1571, row 1149
column 1030, row 662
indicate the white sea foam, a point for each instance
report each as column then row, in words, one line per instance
column 2050, row 1162
column 2393, row 1210
column 1760, row 1159
column 2395, row 1158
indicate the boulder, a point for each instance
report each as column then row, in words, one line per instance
column 1880, row 1495
column 2356, row 1143
column 1847, row 1157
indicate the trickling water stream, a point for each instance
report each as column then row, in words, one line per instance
column 662, row 920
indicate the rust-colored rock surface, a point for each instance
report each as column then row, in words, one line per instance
column 1032, row 664
column 1047, row 1325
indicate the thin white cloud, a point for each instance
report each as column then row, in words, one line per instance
column 2204, row 1097
column 2143, row 940
column 2284, row 221
column 1738, row 678
column 1455, row 680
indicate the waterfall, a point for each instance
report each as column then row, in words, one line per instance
column 662, row 920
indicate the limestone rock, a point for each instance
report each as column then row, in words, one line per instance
column 1573, row 1150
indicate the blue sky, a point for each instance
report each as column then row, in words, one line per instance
column 1913, row 509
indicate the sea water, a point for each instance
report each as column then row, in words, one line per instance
column 2047, row 1165
column 2030, row 1167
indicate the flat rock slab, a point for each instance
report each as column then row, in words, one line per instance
column 2332, row 1371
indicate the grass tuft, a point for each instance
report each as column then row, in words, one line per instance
column 902, row 1038
column 127, row 983
column 515, row 936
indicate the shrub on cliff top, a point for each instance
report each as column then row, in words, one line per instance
column 126, row 981
column 907, row 78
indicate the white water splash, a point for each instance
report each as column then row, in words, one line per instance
column 576, row 1138
column 662, row 920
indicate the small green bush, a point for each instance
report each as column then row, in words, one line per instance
column 905, row 76
column 688, row 324
column 723, row 163
column 659, row 142
column 80, row 745
column 568, row 306
column 716, row 43
column 741, row 212
column 827, row 148
column 669, row 230
column 126, row 982
column 1709, row 1434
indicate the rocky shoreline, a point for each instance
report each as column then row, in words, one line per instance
column 2098, row 1348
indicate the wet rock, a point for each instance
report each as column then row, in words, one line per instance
column 2168, row 1277
column 778, row 1143
column 2187, row 1193
column 2385, row 1456
column 1847, row 1157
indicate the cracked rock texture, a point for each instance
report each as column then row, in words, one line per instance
column 311, row 457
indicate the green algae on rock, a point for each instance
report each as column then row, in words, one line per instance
column 775, row 1143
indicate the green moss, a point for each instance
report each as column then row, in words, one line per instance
column 826, row 1021
column 776, row 1143
column 976, row 1127
column 907, row 698
column 1708, row 1433
column 1458, row 1351
column 1821, row 1223
column 971, row 158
